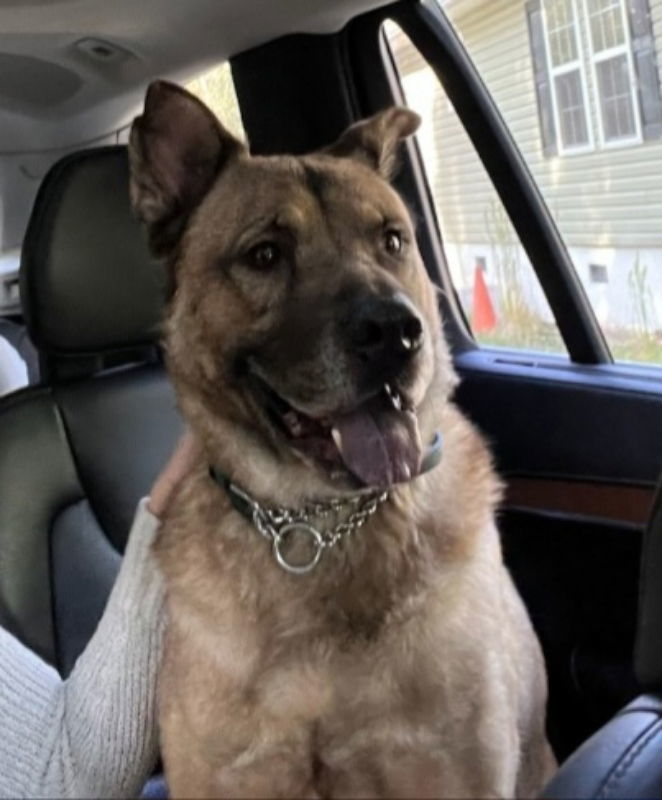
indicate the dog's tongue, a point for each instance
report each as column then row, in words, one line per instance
column 379, row 444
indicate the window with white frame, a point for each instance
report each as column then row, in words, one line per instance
column 567, row 73
column 613, row 70
column 596, row 74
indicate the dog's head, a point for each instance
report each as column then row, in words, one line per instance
column 303, row 334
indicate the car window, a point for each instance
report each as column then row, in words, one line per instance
column 578, row 84
column 498, row 289
column 13, row 369
column 9, row 294
column 216, row 89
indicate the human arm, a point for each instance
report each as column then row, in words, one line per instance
column 93, row 734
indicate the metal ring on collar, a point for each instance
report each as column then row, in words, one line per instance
column 317, row 540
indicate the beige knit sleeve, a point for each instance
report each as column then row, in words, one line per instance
column 93, row 735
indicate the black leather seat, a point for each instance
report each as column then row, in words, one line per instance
column 624, row 758
column 78, row 451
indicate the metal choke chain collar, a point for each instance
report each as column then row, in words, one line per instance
column 278, row 524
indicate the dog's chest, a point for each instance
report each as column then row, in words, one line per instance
column 248, row 638
column 350, row 595
column 307, row 638
column 313, row 665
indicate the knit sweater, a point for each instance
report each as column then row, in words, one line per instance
column 93, row 734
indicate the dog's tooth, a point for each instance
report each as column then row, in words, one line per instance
column 337, row 438
column 394, row 396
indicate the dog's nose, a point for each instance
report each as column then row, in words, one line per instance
column 385, row 331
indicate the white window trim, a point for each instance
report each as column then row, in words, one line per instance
column 570, row 66
column 605, row 55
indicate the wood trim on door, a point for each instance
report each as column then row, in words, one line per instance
column 610, row 501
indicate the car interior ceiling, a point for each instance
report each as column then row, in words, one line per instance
column 578, row 574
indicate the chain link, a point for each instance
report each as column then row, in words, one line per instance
column 276, row 524
column 268, row 521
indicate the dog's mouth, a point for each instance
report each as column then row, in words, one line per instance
column 377, row 442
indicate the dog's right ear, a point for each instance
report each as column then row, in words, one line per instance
column 176, row 150
column 374, row 141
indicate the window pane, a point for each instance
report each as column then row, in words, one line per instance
column 615, row 98
column 570, row 103
column 495, row 282
column 606, row 24
column 560, row 28
column 607, row 204
column 571, row 106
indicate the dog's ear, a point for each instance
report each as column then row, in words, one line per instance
column 176, row 150
column 374, row 141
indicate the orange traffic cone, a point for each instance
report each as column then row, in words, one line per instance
column 484, row 318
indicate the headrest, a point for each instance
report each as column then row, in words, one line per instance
column 88, row 282
column 648, row 655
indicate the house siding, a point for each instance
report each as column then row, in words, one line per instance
column 607, row 203
column 609, row 198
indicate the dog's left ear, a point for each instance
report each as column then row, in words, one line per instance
column 374, row 141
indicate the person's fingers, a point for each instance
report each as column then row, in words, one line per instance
column 178, row 466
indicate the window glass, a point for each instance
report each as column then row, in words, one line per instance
column 578, row 84
column 606, row 22
column 571, row 109
column 216, row 89
column 609, row 41
column 615, row 96
column 561, row 32
column 560, row 38
column 495, row 282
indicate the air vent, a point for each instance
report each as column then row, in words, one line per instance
column 102, row 51
column 598, row 273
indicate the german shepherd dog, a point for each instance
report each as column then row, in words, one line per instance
column 340, row 621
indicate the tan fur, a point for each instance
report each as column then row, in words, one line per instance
column 405, row 664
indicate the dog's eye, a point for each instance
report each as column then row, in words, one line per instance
column 393, row 242
column 264, row 255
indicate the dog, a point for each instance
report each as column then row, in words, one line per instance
column 340, row 621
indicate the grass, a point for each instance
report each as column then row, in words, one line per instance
column 535, row 334
column 643, row 348
column 520, row 328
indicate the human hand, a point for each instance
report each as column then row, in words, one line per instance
column 171, row 475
